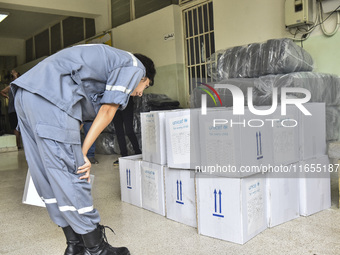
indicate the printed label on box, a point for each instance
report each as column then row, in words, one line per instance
column 180, row 138
column 220, row 145
column 150, row 188
column 255, row 209
column 283, row 142
column 150, row 131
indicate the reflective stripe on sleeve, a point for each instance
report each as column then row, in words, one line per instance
column 118, row 88
column 134, row 59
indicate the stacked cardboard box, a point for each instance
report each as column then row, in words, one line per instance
column 250, row 171
column 231, row 209
column 8, row 143
column 232, row 176
column 153, row 137
column 180, row 196
column 130, row 179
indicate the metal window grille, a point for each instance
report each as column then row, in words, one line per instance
column 199, row 42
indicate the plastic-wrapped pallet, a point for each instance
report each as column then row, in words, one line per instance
column 324, row 88
column 275, row 56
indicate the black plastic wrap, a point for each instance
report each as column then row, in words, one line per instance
column 142, row 103
column 275, row 56
column 128, row 144
column 107, row 143
column 110, row 128
column 136, row 123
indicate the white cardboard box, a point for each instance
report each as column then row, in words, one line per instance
column 8, row 140
column 8, row 143
column 153, row 137
column 182, row 138
column 313, row 131
column 31, row 196
column 231, row 147
column 153, row 187
column 231, row 209
column 282, row 199
column 130, row 179
column 180, row 196
column 315, row 187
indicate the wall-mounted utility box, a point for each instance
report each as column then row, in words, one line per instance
column 298, row 12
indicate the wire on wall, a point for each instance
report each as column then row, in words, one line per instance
column 305, row 31
column 323, row 24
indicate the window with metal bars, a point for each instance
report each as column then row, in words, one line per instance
column 63, row 34
column 199, row 42
column 124, row 11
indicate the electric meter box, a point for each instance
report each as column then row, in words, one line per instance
column 298, row 12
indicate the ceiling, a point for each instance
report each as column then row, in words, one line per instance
column 24, row 24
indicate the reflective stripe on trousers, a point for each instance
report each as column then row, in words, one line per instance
column 53, row 151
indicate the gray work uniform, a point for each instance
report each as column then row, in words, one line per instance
column 51, row 100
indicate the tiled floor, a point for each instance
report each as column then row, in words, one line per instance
column 27, row 230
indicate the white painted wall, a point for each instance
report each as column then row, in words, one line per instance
column 146, row 35
column 241, row 22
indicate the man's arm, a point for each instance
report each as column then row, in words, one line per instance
column 103, row 119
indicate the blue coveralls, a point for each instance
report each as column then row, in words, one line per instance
column 51, row 100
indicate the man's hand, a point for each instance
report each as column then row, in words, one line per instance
column 86, row 168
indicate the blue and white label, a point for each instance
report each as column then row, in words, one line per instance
column 128, row 178
column 180, row 139
column 179, row 196
column 259, row 145
column 218, row 204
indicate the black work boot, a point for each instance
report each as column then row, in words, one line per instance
column 96, row 244
column 75, row 245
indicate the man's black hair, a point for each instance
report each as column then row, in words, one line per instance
column 149, row 66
